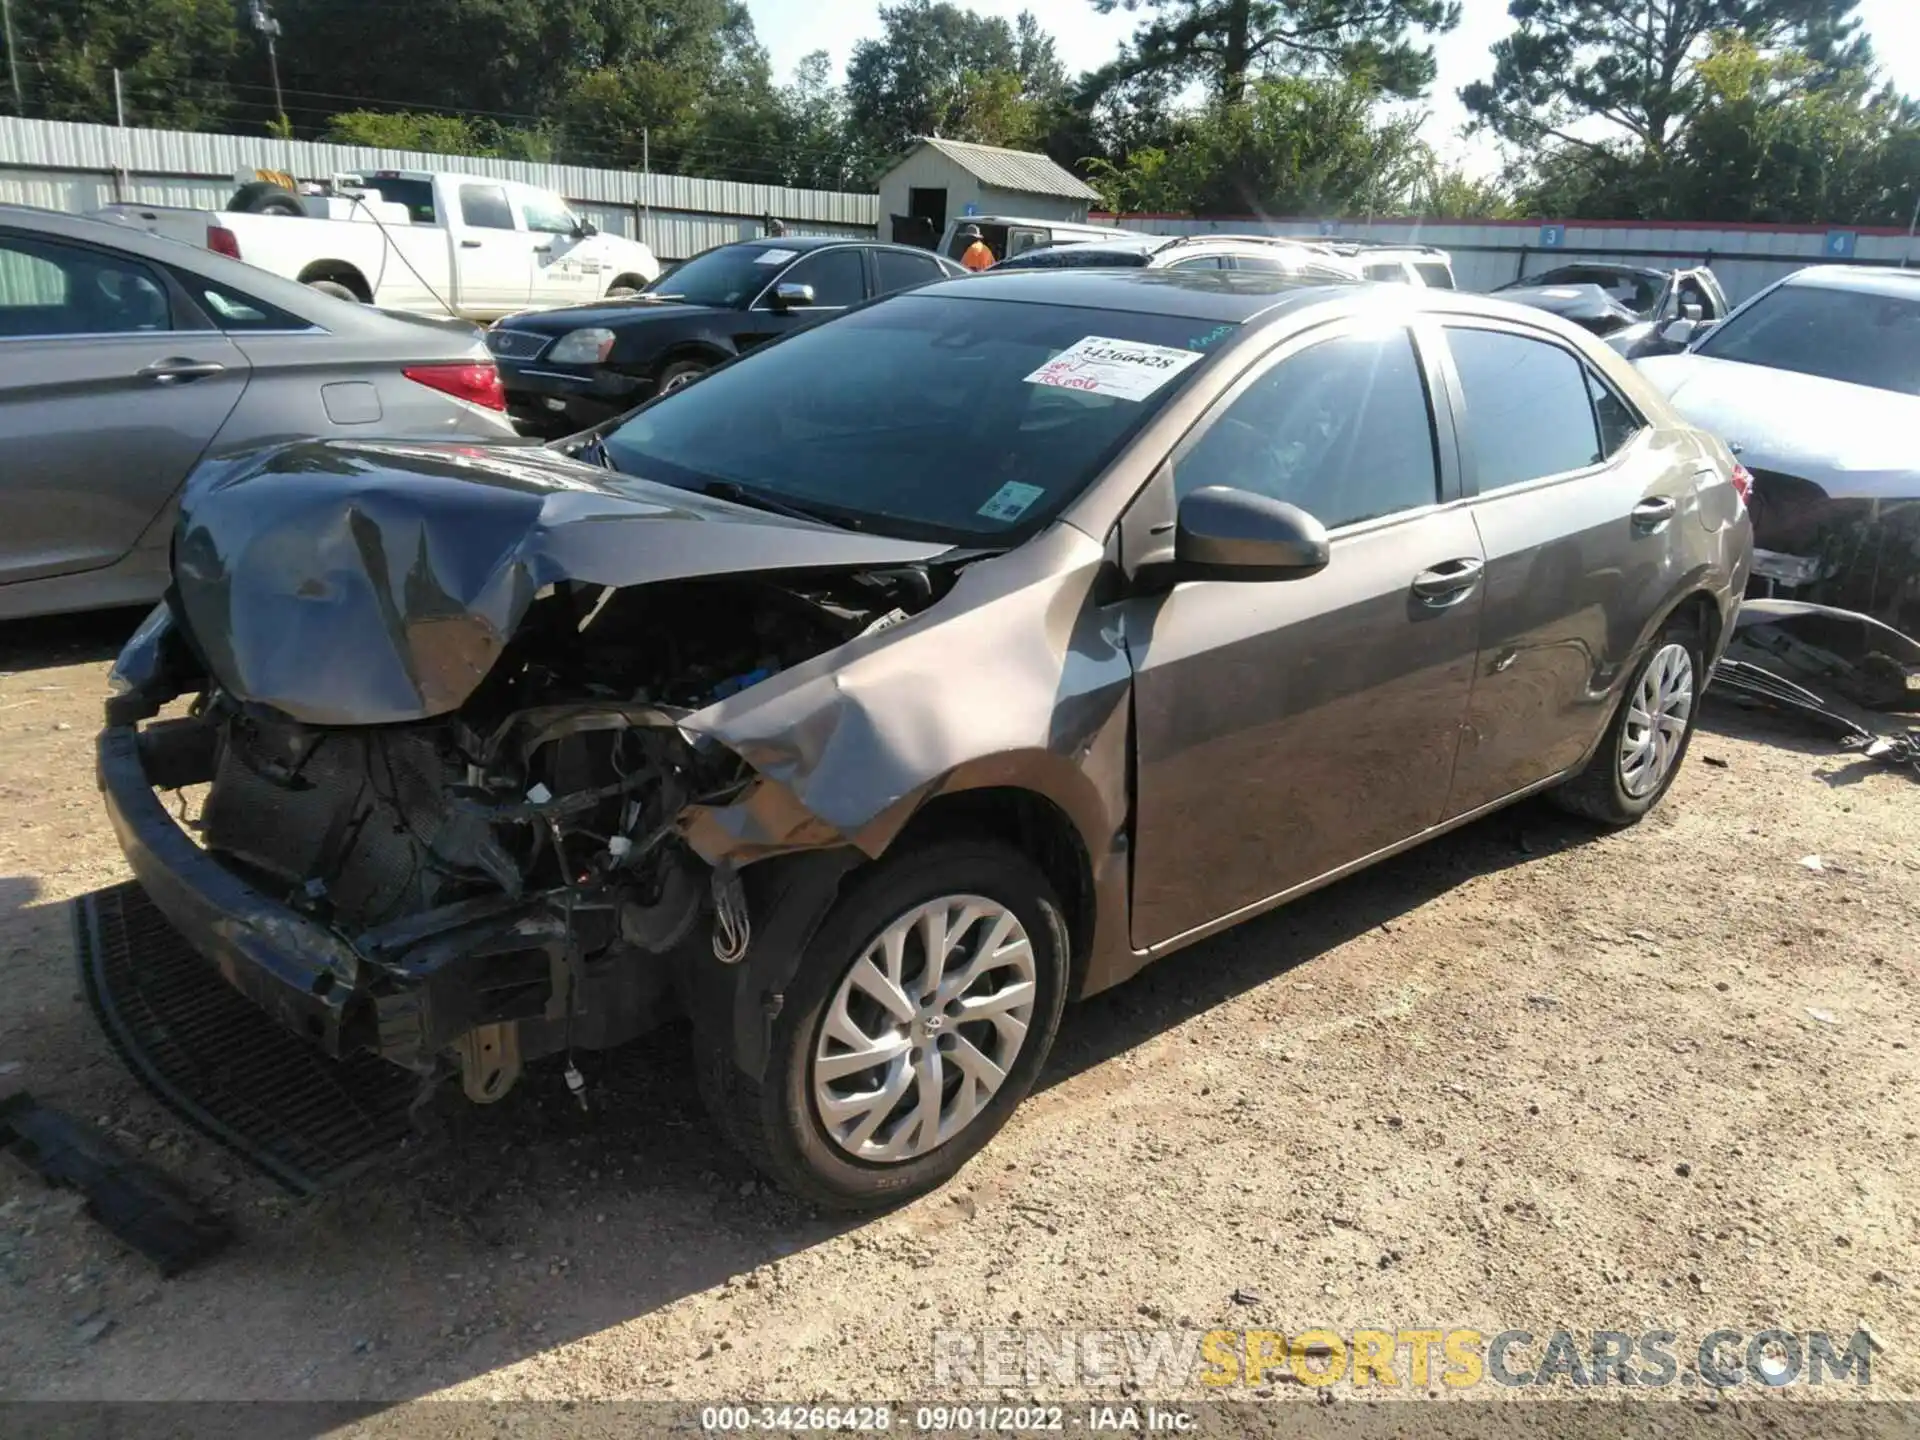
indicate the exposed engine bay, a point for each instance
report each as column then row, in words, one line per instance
column 522, row 859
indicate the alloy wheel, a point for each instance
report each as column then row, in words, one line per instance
column 924, row 1028
column 1657, row 719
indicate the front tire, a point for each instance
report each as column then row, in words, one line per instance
column 1648, row 737
column 681, row 374
column 887, row 1073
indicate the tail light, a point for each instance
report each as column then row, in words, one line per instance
column 479, row 384
column 1743, row 482
column 223, row 241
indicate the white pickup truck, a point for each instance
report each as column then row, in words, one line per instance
column 432, row 243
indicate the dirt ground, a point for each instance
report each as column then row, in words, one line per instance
column 1526, row 1077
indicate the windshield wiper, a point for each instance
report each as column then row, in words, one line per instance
column 746, row 495
column 595, row 452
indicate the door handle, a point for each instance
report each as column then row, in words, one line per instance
column 1448, row 581
column 543, row 249
column 469, row 244
column 1653, row 512
column 177, row 369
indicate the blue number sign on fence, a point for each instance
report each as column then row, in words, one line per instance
column 1552, row 237
column 1840, row 244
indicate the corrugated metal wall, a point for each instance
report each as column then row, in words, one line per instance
column 1491, row 252
column 77, row 168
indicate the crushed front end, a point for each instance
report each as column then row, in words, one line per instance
column 504, row 870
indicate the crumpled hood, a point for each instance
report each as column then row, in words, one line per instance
column 369, row 583
column 1588, row 306
column 1854, row 442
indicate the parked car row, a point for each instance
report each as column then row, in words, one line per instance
column 899, row 656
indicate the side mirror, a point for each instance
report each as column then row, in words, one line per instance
column 586, row 229
column 792, row 297
column 1678, row 333
column 1226, row 534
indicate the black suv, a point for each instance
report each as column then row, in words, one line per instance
column 565, row 370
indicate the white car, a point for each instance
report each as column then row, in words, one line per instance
column 430, row 243
column 1815, row 383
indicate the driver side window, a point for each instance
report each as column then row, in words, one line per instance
column 1342, row 429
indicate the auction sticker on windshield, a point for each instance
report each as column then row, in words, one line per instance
column 1122, row 368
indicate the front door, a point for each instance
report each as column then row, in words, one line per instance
column 104, row 405
column 1578, row 513
column 1286, row 729
column 838, row 279
column 567, row 268
column 492, row 255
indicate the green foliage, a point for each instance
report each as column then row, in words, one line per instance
column 1633, row 65
column 1293, row 146
column 1224, row 44
column 174, row 57
column 1732, row 110
column 936, row 69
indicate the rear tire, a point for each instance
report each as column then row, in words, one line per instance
column 1647, row 739
column 335, row 289
column 778, row 1121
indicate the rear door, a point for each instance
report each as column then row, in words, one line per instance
column 1287, row 729
column 902, row 269
column 1580, row 515
column 492, row 254
column 107, row 398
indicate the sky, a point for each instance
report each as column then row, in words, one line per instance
column 792, row 28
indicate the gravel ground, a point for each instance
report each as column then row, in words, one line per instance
column 1526, row 1077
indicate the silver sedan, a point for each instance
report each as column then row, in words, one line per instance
column 127, row 358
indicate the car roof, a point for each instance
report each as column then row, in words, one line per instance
column 1232, row 296
column 1868, row 279
column 810, row 242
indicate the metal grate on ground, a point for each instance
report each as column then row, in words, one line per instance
column 220, row 1063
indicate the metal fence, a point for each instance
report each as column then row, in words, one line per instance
column 1487, row 253
column 76, row 168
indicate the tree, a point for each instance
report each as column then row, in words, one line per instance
column 939, row 70
column 1633, row 65
column 1291, row 146
column 174, row 57
column 1224, row 44
column 1777, row 138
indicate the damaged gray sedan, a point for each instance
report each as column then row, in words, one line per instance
column 900, row 681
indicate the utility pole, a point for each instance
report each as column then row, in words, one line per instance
column 13, row 57
column 269, row 29
column 119, row 101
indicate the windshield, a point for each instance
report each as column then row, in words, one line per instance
column 729, row 276
column 925, row 417
column 1857, row 336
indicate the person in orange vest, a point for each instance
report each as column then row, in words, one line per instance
column 976, row 256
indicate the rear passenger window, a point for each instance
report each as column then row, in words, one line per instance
column 1200, row 262
column 1529, row 412
column 1437, row 276
column 1618, row 422
column 1388, row 272
column 485, row 207
column 897, row 269
column 1341, row 429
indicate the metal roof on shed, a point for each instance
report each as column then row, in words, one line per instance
column 1010, row 169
